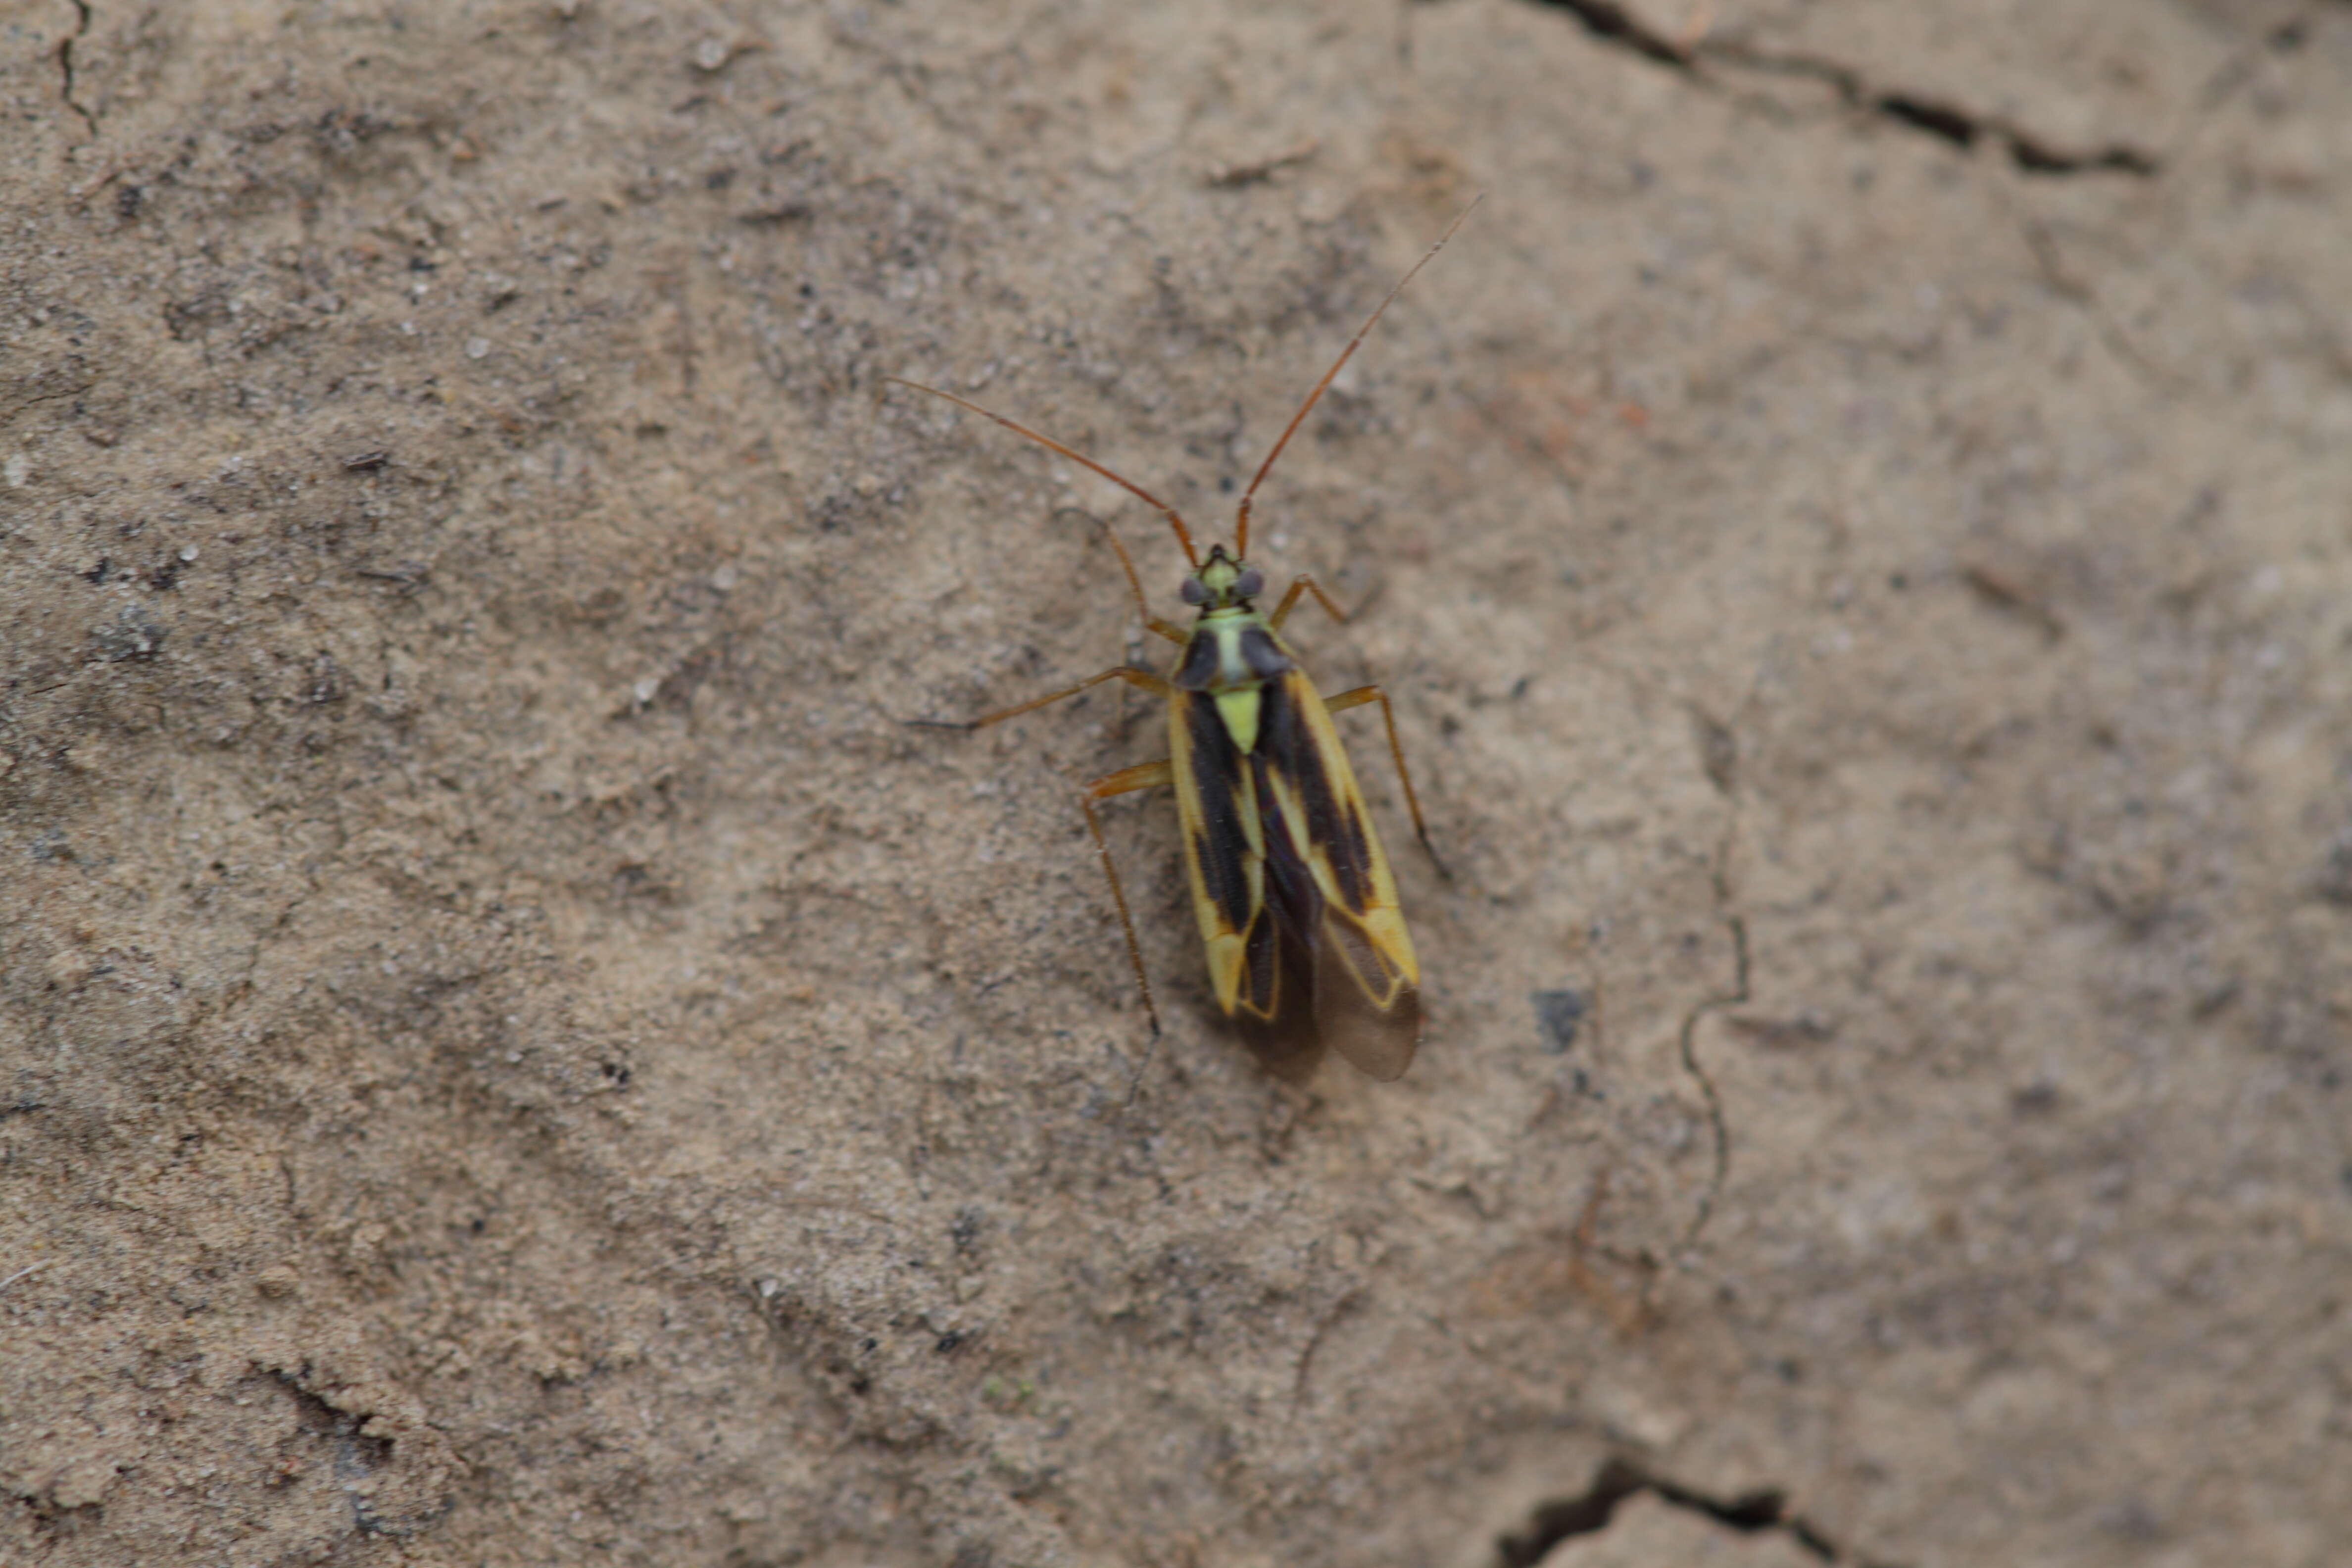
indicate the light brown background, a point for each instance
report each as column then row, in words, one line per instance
column 514, row 1053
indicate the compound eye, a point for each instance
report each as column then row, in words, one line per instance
column 1250, row 584
column 1195, row 592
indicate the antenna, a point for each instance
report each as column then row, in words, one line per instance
column 1183, row 535
column 1241, row 525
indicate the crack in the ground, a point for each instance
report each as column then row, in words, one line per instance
column 1959, row 126
column 1588, row 1512
column 357, row 1454
column 65, row 64
column 1719, row 750
column 1614, row 24
column 1735, row 997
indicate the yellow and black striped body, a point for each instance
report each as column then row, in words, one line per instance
column 1307, row 946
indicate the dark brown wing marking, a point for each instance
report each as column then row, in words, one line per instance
column 1327, row 816
column 1277, row 1014
column 1220, row 843
column 1216, row 801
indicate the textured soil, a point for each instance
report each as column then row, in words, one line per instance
column 515, row 1052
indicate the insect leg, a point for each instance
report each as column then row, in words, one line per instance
column 1144, row 776
column 1151, row 622
column 1357, row 699
column 1167, row 629
column 1305, row 583
column 1155, row 684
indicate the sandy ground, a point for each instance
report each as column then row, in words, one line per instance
column 515, row 1053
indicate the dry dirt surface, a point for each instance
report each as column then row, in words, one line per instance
column 513, row 1051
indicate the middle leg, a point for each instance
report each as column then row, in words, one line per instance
column 1357, row 699
column 1144, row 776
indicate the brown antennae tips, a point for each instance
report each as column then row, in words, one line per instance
column 1240, row 524
column 1183, row 535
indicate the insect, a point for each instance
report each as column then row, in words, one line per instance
column 1307, row 946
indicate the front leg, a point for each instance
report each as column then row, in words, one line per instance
column 1305, row 583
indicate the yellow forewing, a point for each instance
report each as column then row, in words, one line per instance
column 1366, row 979
column 1336, row 840
column 1224, row 839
